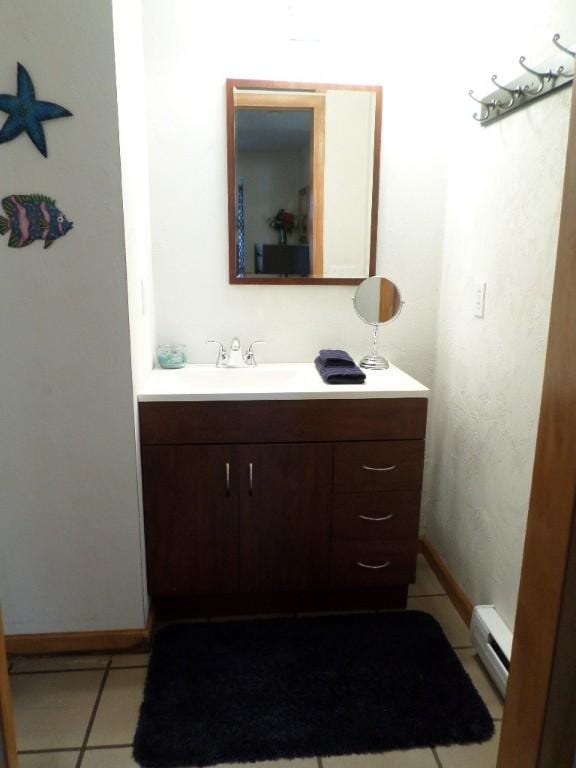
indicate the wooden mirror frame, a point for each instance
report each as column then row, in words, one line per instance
column 310, row 88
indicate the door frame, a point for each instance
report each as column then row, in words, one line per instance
column 539, row 725
column 7, row 730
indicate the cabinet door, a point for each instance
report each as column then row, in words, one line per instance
column 285, row 496
column 191, row 519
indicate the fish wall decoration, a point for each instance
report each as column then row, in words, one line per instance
column 27, row 114
column 32, row 217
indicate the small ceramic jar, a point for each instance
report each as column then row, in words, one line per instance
column 172, row 355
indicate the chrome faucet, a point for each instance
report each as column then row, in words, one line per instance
column 235, row 357
column 222, row 359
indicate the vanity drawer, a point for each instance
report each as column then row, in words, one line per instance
column 372, row 563
column 385, row 466
column 372, row 515
column 282, row 421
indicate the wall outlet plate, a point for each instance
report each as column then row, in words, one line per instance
column 479, row 300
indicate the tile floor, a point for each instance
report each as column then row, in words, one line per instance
column 81, row 711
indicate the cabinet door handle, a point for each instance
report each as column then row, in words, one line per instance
column 227, row 478
column 379, row 469
column 250, row 478
column 373, row 567
column 377, row 519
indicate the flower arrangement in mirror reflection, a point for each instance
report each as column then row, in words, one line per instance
column 284, row 223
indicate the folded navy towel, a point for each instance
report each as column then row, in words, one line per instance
column 339, row 374
column 335, row 357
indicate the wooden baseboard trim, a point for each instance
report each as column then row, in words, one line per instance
column 79, row 642
column 459, row 598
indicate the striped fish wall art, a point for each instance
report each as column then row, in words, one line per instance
column 32, row 217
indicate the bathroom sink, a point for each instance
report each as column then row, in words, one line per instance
column 261, row 377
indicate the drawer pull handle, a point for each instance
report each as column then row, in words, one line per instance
column 251, row 478
column 377, row 519
column 227, row 478
column 373, row 567
column 379, row 469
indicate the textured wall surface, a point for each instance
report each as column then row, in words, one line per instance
column 503, row 205
column 69, row 520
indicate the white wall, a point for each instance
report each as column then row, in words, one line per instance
column 188, row 173
column 69, row 519
column 133, row 137
column 70, row 555
column 501, row 226
column 504, row 196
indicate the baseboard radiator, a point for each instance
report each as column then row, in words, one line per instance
column 493, row 642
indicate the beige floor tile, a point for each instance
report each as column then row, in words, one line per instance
column 122, row 758
column 426, row 582
column 473, row 756
column 56, row 663
column 131, row 660
column 108, row 758
column 445, row 614
column 48, row 760
column 119, row 707
column 52, row 710
column 484, row 685
column 412, row 758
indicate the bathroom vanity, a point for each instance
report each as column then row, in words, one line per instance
column 267, row 489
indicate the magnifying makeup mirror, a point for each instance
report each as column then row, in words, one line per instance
column 377, row 301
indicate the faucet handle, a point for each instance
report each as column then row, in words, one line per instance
column 249, row 357
column 222, row 354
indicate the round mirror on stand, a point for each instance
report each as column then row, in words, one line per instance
column 377, row 301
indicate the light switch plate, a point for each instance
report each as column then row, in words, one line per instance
column 479, row 300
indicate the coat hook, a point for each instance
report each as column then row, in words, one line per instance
column 540, row 75
column 561, row 72
column 487, row 106
column 514, row 92
column 558, row 44
column 478, row 101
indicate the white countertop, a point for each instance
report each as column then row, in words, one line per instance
column 278, row 381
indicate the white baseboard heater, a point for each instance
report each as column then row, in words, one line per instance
column 493, row 642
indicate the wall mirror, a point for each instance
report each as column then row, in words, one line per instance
column 303, row 174
column 377, row 301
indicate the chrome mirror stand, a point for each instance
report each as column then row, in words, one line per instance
column 374, row 361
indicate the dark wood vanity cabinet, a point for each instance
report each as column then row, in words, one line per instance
column 196, row 496
column 285, row 517
column 191, row 521
column 303, row 503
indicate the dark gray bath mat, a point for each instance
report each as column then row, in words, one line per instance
column 283, row 688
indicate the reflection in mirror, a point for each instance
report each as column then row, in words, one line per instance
column 303, row 165
column 377, row 301
column 273, row 157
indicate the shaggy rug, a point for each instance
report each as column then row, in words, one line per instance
column 267, row 689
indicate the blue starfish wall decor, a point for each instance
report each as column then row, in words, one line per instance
column 27, row 114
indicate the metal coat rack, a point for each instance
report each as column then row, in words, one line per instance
column 555, row 72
